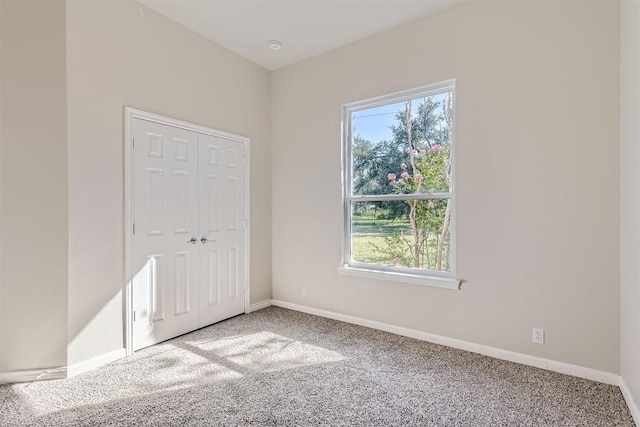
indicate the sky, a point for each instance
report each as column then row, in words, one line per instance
column 373, row 124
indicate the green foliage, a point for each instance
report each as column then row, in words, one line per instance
column 428, row 126
column 371, row 164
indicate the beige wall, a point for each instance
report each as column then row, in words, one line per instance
column 630, row 196
column 538, row 205
column 537, row 162
column 33, row 190
column 121, row 53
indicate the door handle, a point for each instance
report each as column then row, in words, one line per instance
column 205, row 240
column 193, row 241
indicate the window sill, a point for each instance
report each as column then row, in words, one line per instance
column 414, row 279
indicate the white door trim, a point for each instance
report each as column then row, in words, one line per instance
column 129, row 115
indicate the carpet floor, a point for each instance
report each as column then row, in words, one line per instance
column 277, row 367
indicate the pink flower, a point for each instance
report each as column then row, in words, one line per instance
column 403, row 165
column 436, row 148
column 415, row 153
column 431, row 205
column 392, row 177
column 404, row 175
column 395, row 261
column 419, row 176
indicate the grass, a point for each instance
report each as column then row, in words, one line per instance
column 364, row 251
column 368, row 234
column 369, row 224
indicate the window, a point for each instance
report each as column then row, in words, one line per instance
column 399, row 204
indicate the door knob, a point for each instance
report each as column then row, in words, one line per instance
column 205, row 240
column 193, row 241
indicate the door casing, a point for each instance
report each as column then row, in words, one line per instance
column 129, row 115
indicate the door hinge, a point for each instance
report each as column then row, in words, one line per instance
column 134, row 315
column 133, row 142
column 134, row 229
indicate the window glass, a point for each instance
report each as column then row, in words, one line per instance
column 399, row 206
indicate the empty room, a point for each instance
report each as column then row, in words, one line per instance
column 319, row 212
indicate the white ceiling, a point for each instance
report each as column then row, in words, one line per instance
column 305, row 27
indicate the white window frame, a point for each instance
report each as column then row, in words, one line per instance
column 440, row 279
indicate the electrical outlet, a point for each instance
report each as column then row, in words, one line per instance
column 304, row 292
column 538, row 336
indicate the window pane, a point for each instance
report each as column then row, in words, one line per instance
column 403, row 147
column 412, row 233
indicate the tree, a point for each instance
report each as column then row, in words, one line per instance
column 416, row 160
column 371, row 163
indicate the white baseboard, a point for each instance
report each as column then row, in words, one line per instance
column 29, row 375
column 538, row 362
column 259, row 305
column 96, row 362
column 633, row 408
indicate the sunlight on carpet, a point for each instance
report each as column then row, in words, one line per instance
column 266, row 352
column 174, row 365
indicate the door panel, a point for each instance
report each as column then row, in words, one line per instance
column 222, row 225
column 189, row 244
column 182, row 291
column 165, row 285
column 155, row 277
column 213, row 275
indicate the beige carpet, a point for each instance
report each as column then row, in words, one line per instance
column 277, row 367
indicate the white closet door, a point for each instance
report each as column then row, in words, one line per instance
column 165, row 284
column 222, row 228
